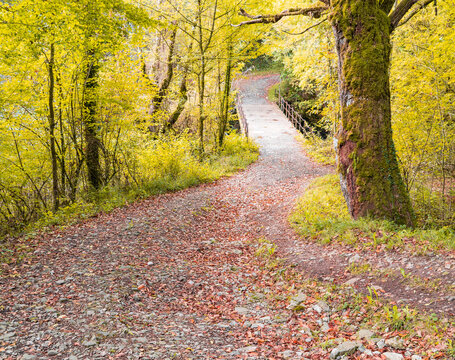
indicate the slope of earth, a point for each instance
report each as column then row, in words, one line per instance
column 177, row 276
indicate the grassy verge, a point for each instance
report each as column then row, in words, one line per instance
column 165, row 166
column 321, row 215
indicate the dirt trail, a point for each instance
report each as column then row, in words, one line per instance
column 172, row 277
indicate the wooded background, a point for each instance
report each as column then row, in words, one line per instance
column 100, row 97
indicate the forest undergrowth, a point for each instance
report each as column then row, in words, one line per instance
column 322, row 215
column 166, row 164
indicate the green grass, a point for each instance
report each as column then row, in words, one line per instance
column 321, row 215
column 272, row 92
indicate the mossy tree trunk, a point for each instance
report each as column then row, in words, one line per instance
column 367, row 162
column 92, row 141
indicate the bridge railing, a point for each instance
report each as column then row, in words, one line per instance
column 294, row 117
column 241, row 115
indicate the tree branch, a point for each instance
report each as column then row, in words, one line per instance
column 402, row 9
column 307, row 29
column 315, row 12
column 414, row 12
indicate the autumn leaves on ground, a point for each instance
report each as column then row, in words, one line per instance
column 138, row 222
column 217, row 272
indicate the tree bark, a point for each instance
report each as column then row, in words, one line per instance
column 180, row 106
column 226, row 98
column 201, row 79
column 201, row 90
column 367, row 162
column 92, row 142
column 164, row 86
column 55, row 189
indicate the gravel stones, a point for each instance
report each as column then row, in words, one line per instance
column 8, row 336
column 365, row 334
column 393, row 356
column 395, row 343
column 248, row 349
column 345, row 348
column 241, row 310
column 296, row 301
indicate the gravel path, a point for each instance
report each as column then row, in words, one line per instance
column 176, row 276
column 429, row 283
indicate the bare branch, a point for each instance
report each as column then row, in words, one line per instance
column 307, row 29
column 315, row 12
column 402, row 9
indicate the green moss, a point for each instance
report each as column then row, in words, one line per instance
column 366, row 115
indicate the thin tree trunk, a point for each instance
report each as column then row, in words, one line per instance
column 201, row 78
column 226, row 98
column 62, row 154
column 183, row 91
column 92, row 142
column 180, row 106
column 201, row 89
column 164, row 86
column 367, row 162
column 203, row 48
column 62, row 147
column 55, row 190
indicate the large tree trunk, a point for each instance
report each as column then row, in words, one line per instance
column 367, row 162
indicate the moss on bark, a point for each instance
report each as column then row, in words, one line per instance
column 368, row 164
